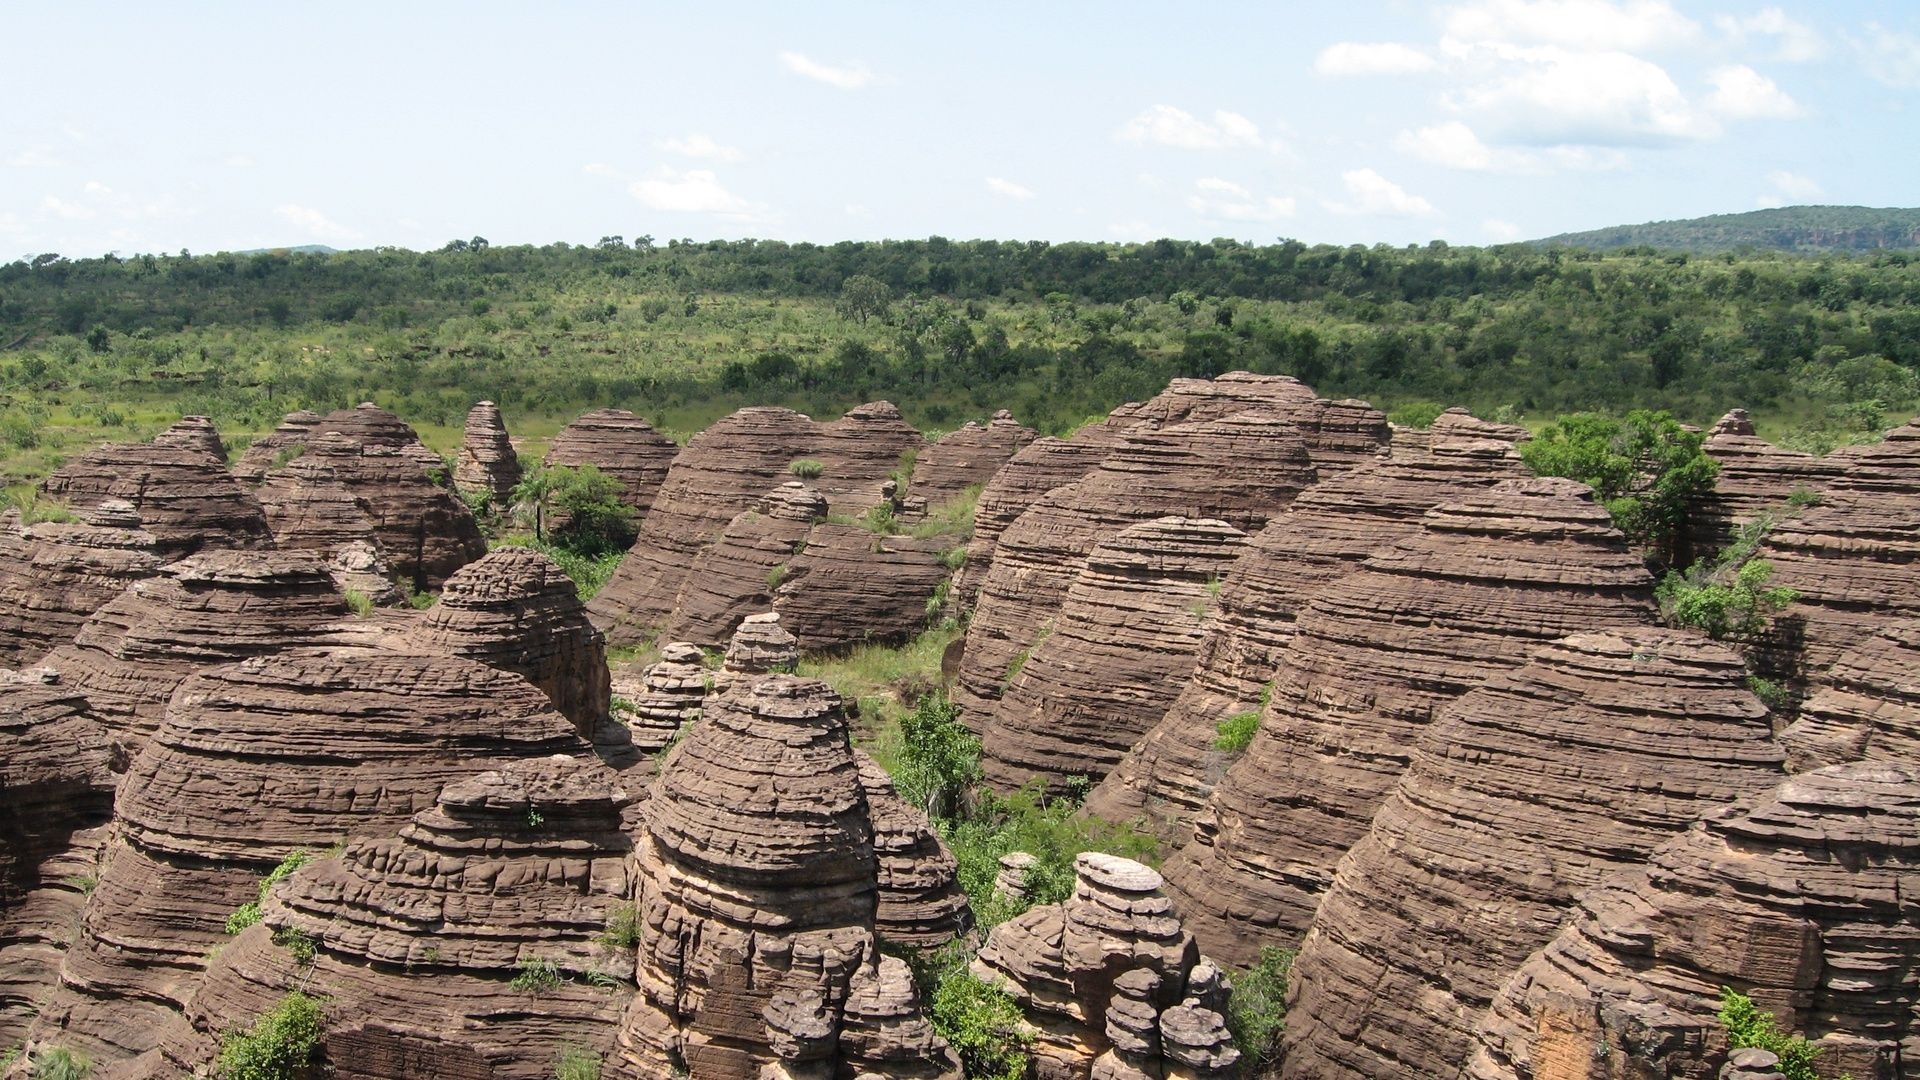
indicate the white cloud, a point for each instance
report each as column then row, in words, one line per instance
column 1369, row 193
column 1372, row 58
column 1009, row 189
column 1452, row 144
column 695, row 191
column 846, row 77
column 1795, row 42
column 61, row 208
column 1170, row 126
column 1770, row 202
column 599, row 168
column 1588, row 25
column 1552, row 96
column 35, row 157
column 1795, row 184
column 1890, row 56
column 1741, row 93
column 1224, row 200
column 316, row 224
column 1134, row 229
column 703, row 147
column 1500, row 231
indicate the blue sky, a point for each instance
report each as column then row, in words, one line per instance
column 149, row 127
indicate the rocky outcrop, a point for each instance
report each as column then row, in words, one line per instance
column 757, row 896
column 1802, row 899
column 487, row 464
column 53, row 575
column 1523, row 794
column 859, row 454
column 256, row 760
column 665, row 698
column 309, row 508
column 1111, row 982
column 370, row 425
column 737, row 575
column 1152, row 473
column 723, row 471
column 424, row 531
column 193, row 433
column 358, row 570
column 1322, row 536
column 1756, row 477
column 1867, row 707
column 421, row 934
column 761, row 646
column 970, row 456
column 183, row 494
column 1046, row 464
column 1121, row 647
column 920, row 904
column 621, row 445
column 850, row 586
column 279, row 447
column 208, row 609
column 1374, row 656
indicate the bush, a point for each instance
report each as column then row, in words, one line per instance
column 984, row 1026
column 590, row 573
column 279, row 1046
column 1727, row 597
column 60, row 1064
column 359, row 603
column 623, row 928
column 939, row 758
column 1747, row 1026
column 597, row 519
column 536, row 976
column 249, row 913
column 1052, row 832
column 1257, row 1008
column 1235, row 733
column 576, row 1063
column 807, row 469
column 1416, row 414
column 1646, row 469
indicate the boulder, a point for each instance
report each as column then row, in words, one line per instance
column 1867, row 707
column 1374, row 655
column 358, row 570
column 487, row 464
column 1523, row 794
column 54, row 575
column 737, row 575
column 183, row 494
column 968, row 457
column 621, row 445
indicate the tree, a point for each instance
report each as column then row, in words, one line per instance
column 863, row 298
column 595, row 520
column 1647, row 470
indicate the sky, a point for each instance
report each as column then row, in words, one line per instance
column 228, row 126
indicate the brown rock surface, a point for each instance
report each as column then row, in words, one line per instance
column 1755, row 477
column 1867, row 707
column 849, row 585
column 1524, row 793
column 259, row 759
column 424, row 531
column 1046, row 464
column 920, row 904
column 370, row 425
column 1374, row 655
column 193, row 433
column 621, row 445
column 309, row 508
column 1322, row 536
column 666, row 697
column 183, row 494
column 487, row 462
column 54, row 575
column 357, row 568
column 723, row 471
column 970, row 456
column 1802, row 899
column 737, row 574
column 1111, row 982
column 276, row 448
column 1121, row 647
column 858, row 454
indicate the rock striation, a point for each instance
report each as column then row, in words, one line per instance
column 54, row 575
column 1047, row 463
column 920, row 904
column 1322, row 536
column 737, row 575
column 621, row 445
column 424, row 531
column 666, row 697
column 1374, row 656
column 859, row 455
column 193, row 433
column 276, row 448
column 1755, row 478
column 1122, row 646
column 1524, row 793
column 309, row 508
column 1111, row 982
column 183, row 494
column 1867, row 707
column 1801, row 899
column 967, row 457
column 487, row 464
column 848, row 586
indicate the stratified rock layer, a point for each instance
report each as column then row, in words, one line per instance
column 860, row 452
column 1867, row 707
column 424, row 531
column 487, row 463
column 970, row 456
column 54, row 575
column 621, row 445
column 920, row 904
column 1046, row 464
column 276, row 448
column 1374, row 655
column 1756, row 477
column 737, row 575
column 1122, row 646
column 1803, row 900
column 849, row 586
column 667, row 696
column 309, row 508
column 1525, row 793
column 183, row 494
column 193, row 433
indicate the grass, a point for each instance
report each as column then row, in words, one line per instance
column 249, row 913
column 953, row 517
column 886, row 682
column 536, row 976
column 279, row 1046
column 590, row 573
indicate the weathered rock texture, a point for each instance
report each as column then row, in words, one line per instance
column 487, row 463
column 423, row 529
column 723, row 471
column 665, row 698
column 1374, row 655
column 757, row 895
column 53, row 575
column 419, row 936
column 193, row 433
column 276, row 448
column 920, row 904
column 1122, row 646
column 970, row 456
column 1046, row 464
column 1867, row 707
column 849, row 586
column 860, row 452
column 1111, row 982
column 309, row 507
column 203, row 611
column 1755, row 477
column 621, row 445
column 737, row 575
column 183, row 494
column 1524, row 794
column 1803, row 899
column 1322, row 536
column 358, row 570
column 256, row 760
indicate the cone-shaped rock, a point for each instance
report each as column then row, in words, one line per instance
column 920, row 903
column 665, row 698
column 860, row 452
column 487, row 463
column 1374, row 656
column 1121, row 648
column 1755, row 477
column 848, row 586
column 1322, row 536
column 621, row 445
column 309, row 508
column 183, row 494
column 1046, row 464
column 970, row 456
column 193, row 433
column 1525, row 793
column 1803, row 900
column 424, row 531
column 736, row 576
column 1867, row 707
column 54, row 575
column 276, row 448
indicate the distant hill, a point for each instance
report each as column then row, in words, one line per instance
column 303, row 249
column 1790, row 228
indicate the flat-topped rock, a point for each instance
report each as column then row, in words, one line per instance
column 183, row 494
column 193, row 433
column 1867, row 707
column 738, row 574
column 969, row 456
column 54, row 575
column 487, row 464
column 1375, row 654
column 622, row 446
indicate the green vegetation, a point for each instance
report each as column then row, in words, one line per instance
column 1727, row 596
column 1051, row 830
column 806, row 469
column 34, row 507
column 983, row 1024
column 939, row 759
column 359, row 603
column 298, row 942
column 1257, row 1009
column 590, row 573
column 1747, row 1026
column 1788, row 228
column 1646, row 470
column 279, row 1046
column 536, row 976
column 595, row 520
column 249, row 913
column 60, row 1064
column 1235, row 733
column 576, row 1063
column 623, row 928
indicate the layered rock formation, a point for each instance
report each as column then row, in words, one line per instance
column 666, row 697
column 1525, row 793
column 183, row 494
column 424, row 531
column 723, row 471
column 1867, row 707
column 1045, row 464
column 276, row 448
column 1802, row 899
column 737, row 575
column 487, row 464
column 193, row 433
column 970, row 456
column 1755, row 477
column 53, row 575
column 358, row 570
column 757, row 896
column 849, row 585
column 919, row 904
column 259, row 759
column 309, row 508
column 1111, row 983
column 621, row 445
column 1374, row 655
column 1122, row 646
column 1322, row 536
column 860, row 452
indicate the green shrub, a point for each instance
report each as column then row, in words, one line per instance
column 1646, row 469
column 536, row 976
column 1771, row 694
column 806, row 469
column 880, row 520
column 1416, row 414
column 590, row 573
column 1051, row 831
column 298, row 942
column 1257, row 1008
column 775, row 576
column 1235, row 733
column 1727, row 597
column 939, row 758
column 58, row 1064
column 1747, row 1026
column 359, row 603
column 984, row 1026
column 623, row 928
column 249, row 913
column 576, row 1063
column 279, row 1046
